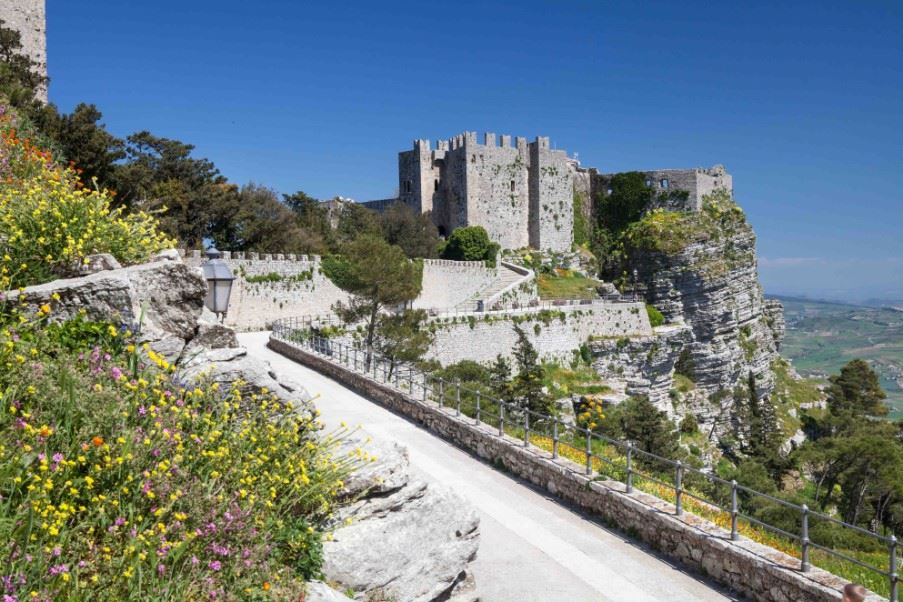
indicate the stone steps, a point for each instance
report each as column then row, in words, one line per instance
column 506, row 277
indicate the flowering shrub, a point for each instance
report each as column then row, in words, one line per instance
column 120, row 482
column 50, row 221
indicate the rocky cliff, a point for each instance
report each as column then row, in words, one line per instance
column 699, row 269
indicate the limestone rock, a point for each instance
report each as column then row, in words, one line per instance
column 98, row 263
column 317, row 591
column 712, row 286
column 161, row 300
column 408, row 540
column 229, row 364
column 167, row 255
column 212, row 334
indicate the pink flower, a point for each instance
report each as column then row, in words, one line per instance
column 116, row 373
column 215, row 565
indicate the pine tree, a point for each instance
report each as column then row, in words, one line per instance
column 527, row 385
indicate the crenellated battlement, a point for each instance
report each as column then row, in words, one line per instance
column 471, row 140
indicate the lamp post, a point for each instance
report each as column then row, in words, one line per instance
column 219, row 282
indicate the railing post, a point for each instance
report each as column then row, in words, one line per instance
column 629, row 482
column 589, row 452
column 892, row 569
column 457, row 398
column 501, row 418
column 441, row 392
column 555, row 438
column 734, row 511
column 476, row 418
column 804, row 562
column 678, row 488
column 526, row 427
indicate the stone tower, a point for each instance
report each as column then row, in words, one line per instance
column 521, row 193
column 29, row 18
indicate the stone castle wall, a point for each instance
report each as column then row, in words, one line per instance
column 29, row 18
column 521, row 193
column 299, row 288
column 555, row 332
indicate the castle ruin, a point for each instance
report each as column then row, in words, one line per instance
column 29, row 18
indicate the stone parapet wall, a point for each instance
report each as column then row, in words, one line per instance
column 754, row 570
column 447, row 283
column 556, row 332
column 302, row 288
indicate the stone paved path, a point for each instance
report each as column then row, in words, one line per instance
column 531, row 547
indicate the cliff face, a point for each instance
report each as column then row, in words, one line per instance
column 699, row 270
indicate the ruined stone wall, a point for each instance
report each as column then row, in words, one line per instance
column 555, row 332
column 756, row 571
column 29, row 18
column 696, row 182
column 448, row 283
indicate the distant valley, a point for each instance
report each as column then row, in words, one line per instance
column 822, row 336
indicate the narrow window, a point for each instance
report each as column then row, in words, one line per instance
column 407, row 186
column 512, row 185
column 435, row 184
column 473, row 158
column 664, row 182
column 648, row 182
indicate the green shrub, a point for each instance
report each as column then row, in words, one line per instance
column 656, row 318
column 470, row 243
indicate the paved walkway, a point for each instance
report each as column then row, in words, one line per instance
column 531, row 547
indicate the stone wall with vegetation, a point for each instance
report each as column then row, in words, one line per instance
column 756, row 571
column 556, row 333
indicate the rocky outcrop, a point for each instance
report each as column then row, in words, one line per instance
column 701, row 272
column 161, row 300
column 642, row 365
column 407, row 540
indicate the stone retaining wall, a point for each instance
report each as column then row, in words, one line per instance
column 555, row 332
column 447, row 283
column 754, row 570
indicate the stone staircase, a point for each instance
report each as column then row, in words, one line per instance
column 506, row 278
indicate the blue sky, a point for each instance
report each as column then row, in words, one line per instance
column 802, row 101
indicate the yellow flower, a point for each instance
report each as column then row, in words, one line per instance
column 45, row 309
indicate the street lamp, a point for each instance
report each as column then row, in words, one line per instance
column 219, row 282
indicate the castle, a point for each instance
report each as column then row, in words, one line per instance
column 524, row 193
column 29, row 18
column 521, row 193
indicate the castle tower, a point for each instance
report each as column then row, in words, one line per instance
column 29, row 18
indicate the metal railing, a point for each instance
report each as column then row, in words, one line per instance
column 570, row 440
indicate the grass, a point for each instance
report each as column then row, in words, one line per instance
column 566, row 284
column 580, row 380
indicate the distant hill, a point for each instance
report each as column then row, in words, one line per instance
column 824, row 335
